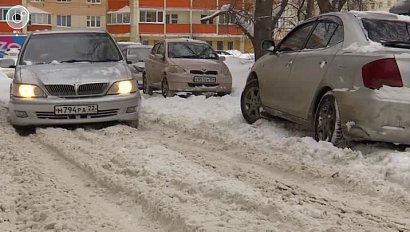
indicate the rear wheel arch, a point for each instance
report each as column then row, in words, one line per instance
column 252, row 76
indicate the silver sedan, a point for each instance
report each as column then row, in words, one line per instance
column 346, row 75
column 72, row 78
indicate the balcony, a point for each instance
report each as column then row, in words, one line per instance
column 10, row 2
column 201, row 4
column 117, row 4
column 151, row 28
column 151, row 4
column 229, row 30
column 178, row 28
column 204, row 29
column 118, row 29
column 178, row 3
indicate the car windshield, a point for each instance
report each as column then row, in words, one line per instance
column 70, row 47
column 191, row 50
column 386, row 30
column 138, row 54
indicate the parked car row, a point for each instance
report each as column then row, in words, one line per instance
column 330, row 73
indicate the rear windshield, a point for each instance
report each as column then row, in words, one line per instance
column 138, row 54
column 191, row 50
column 386, row 30
column 47, row 48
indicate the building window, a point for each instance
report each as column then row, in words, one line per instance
column 151, row 16
column 64, row 20
column 209, row 21
column 119, row 18
column 93, row 21
column 219, row 45
column 226, row 19
column 94, row 1
column 230, row 45
column 40, row 19
column 171, row 18
column 3, row 13
column 64, row 1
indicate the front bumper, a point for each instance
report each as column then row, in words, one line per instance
column 184, row 83
column 40, row 111
column 368, row 115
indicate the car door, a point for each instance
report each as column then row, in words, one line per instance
column 276, row 67
column 158, row 65
column 311, row 65
column 149, row 64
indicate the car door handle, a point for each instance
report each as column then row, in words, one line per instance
column 322, row 63
column 289, row 63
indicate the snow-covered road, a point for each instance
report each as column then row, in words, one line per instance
column 195, row 165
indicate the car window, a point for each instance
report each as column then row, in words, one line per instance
column 161, row 49
column 321, row 35
column 386, row 30
column 154, row 49
column 65, row 47
column 191, row 50
column 297, row 38
column 138, row 54
column 338, row 36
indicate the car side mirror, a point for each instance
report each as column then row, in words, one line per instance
column 221, row 58
column 268, row 45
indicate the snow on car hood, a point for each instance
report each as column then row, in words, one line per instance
column 73, row 73
column 198, row 64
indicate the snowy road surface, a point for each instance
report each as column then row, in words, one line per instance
column 195, row 165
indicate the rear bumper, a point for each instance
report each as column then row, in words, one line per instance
column 369, row 115
column 184, row 83
column 41, row 111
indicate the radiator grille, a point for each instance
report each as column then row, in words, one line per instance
column 200, row 72
column 61, row 90
column 82, row 90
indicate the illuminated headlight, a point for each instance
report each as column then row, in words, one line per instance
column 225, row 70
column 27, row 91
column 176, row 69
column 122, row 87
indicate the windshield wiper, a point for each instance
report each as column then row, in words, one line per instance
column 397, row 44
column 75, row 61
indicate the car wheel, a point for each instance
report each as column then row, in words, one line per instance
column 251, row 105
column 145, row 86
column 327, row 121
column 166, row 92
column 134, row 123
column 25, row 130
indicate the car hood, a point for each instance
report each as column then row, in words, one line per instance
column 198, row 64
column 74, row 73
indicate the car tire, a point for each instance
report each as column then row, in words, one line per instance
column 251, row 105
column 327, row 121
column 165, row 91
column 133, row 123
column 146, row 89
column 25, row 130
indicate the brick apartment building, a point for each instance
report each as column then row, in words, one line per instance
column 133, row 20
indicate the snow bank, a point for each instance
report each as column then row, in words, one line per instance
column 4, row 89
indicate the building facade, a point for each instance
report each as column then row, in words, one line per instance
column 150, row 20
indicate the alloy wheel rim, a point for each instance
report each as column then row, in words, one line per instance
column 326, row 121
column 252, row 102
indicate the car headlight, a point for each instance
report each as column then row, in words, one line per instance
column 176, row 69
column 27, row 91
column 225, row 70
column 122, row 87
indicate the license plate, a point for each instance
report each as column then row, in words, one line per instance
column 205, row 79
column 84, row 109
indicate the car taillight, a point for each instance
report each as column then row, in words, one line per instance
column 381, row 72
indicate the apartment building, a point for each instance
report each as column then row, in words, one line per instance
column 150, row 20
column 5, row 5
